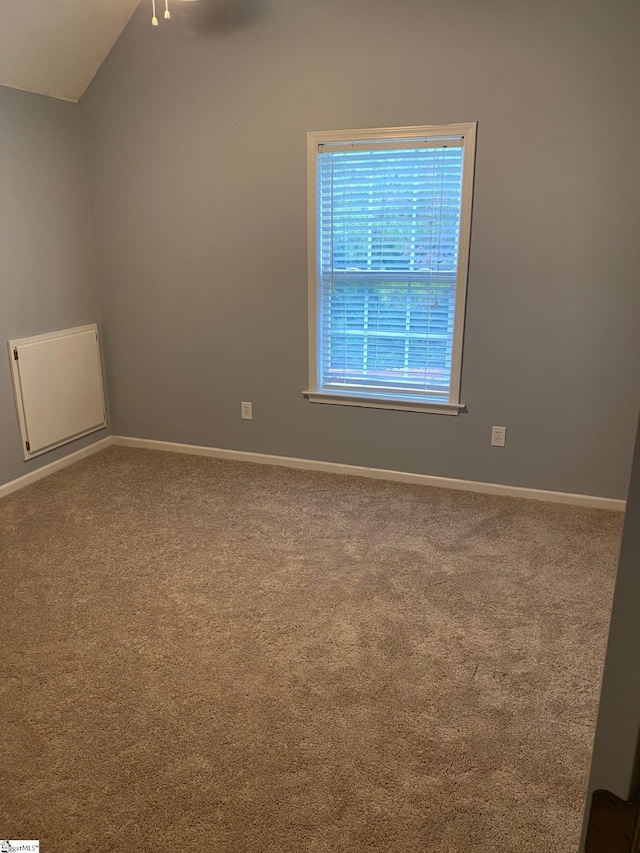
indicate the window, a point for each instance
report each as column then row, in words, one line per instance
column 389, row 224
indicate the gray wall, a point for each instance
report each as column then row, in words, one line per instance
column 615, row 764
column 195, row 146
column 47, row 271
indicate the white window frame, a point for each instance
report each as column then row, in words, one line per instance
column 452, row 405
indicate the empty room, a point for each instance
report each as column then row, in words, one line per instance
column 319, row 389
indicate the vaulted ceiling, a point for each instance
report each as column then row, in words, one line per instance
column 55, row 47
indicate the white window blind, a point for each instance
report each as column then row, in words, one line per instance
column 388, row 228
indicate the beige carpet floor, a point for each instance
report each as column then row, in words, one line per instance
column 201, row 655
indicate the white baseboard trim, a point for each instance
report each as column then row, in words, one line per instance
column 375, row 473
column 315, row 465
column 52, row 467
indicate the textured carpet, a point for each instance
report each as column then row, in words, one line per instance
column 201, row 655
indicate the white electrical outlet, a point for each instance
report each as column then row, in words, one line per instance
column 246, row 410
column 498, row 436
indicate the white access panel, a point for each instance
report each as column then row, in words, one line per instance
column 57, row 380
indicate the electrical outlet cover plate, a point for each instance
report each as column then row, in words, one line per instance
column 246, row 411
column 498, row 436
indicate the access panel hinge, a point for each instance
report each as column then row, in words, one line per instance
column 28, row 446
column 15, row 353
column 614, row 825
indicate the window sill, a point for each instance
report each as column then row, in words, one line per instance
column 338, row 399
